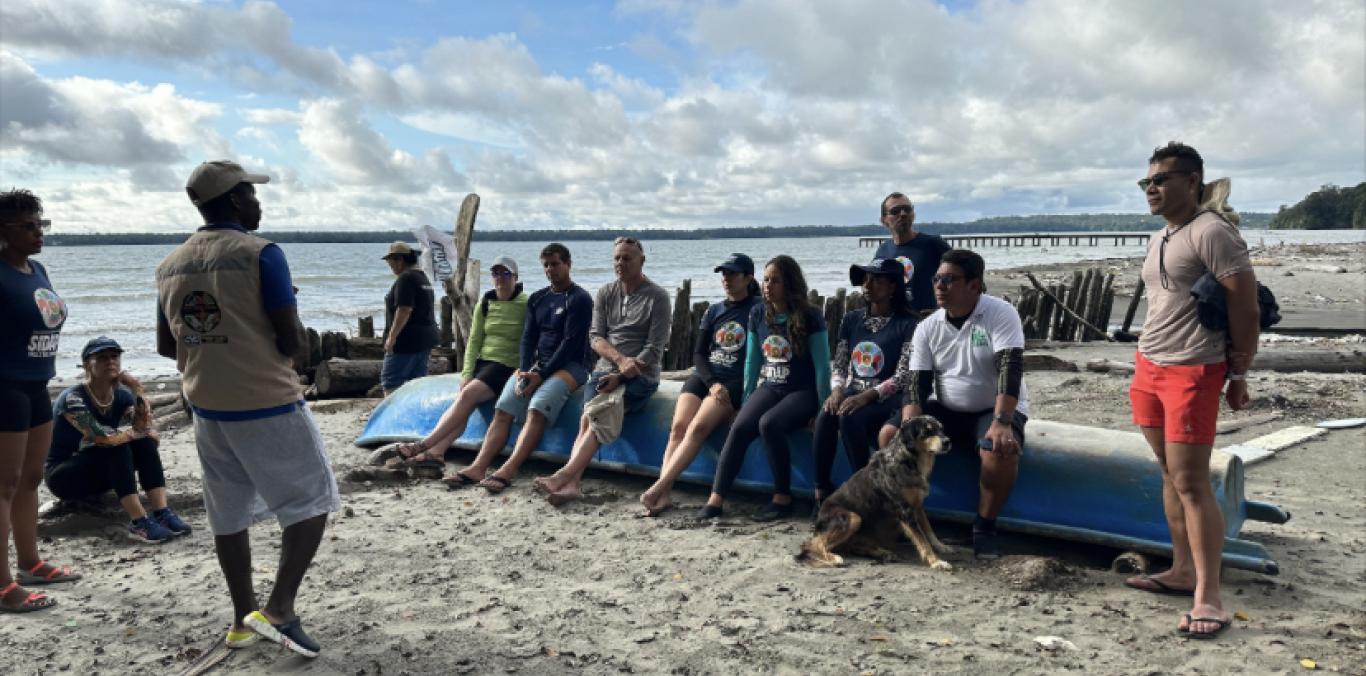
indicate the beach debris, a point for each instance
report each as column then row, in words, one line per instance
column 1241, row 616
column 1266, row 446
column 1109, row 366
column 1341, row 424
column 1034, row 573
column 1235, row 424
column 1309, row 664
column 1054, row 643
column 1131, row 563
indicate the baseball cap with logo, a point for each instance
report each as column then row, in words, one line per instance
column 400, row 249
column 505, row 262
column 97, row 345
column 737, row 262
column 878, row 266
column 211, row 179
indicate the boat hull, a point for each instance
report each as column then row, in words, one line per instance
column 1075, row 482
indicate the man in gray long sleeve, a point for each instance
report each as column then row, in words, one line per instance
column 631, row 321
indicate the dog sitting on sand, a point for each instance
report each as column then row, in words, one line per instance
column 887, row 496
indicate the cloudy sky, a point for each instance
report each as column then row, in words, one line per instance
column 669, row 113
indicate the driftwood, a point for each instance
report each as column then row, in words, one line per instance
column 681, row 331
column 1316, row 361
column 1077, row 318
column 459, row 288
column 337, row 378
column 1109, row 366
column 365, row 327
column 1133, row 306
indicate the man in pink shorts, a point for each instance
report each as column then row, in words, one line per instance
column 1180, row 371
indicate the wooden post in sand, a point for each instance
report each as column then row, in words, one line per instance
column 459, row 289
column 1133, row 306
column 680, row 330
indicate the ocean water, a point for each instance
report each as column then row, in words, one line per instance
column 111, row 290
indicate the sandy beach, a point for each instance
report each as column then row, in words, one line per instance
column 414, row 579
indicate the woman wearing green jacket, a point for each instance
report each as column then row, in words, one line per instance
column 490, row 359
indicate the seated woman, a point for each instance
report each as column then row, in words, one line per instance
column 490, row 359
column 712, row 393
column 90, row 454
column 788, row 348
column 874, row 343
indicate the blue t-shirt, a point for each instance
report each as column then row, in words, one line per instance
column 33, row 316
column 556, row 332
column 66, row 439
column 783, row 370
column 870, row 348
column 277, row 291
column 721, row 341
column 920, row 257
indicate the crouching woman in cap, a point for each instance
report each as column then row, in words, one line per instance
column 90, row 455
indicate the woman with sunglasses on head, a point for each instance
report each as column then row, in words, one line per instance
column 713, row 392
column 34, row 315
column 90, row 455
column 873, row 348
column 490, row 359
column 787, row 375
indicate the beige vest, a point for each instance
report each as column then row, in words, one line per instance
column 210, row 292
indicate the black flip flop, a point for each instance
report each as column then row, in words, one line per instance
column 1159, row 587
column 1206, row 635
column 495, row 484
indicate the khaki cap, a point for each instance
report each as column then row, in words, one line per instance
column 211, row 179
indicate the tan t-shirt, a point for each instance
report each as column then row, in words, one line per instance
column 1172, row 333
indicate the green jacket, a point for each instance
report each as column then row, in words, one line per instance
column 497, row 336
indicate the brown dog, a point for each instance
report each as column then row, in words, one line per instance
column 887, row 496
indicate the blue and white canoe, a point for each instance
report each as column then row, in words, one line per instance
column 1077, row 483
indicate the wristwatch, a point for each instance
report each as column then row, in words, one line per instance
column 1004, row 419
column 1237, row 376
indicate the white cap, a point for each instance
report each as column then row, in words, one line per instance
column 504, row 261
column 211, row 179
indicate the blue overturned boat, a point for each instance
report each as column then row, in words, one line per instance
column 1075, row 483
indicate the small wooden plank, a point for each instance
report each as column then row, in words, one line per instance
column 1285, row 438
column 1251, row 455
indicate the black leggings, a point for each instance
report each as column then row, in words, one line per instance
column 773, row 416
column 858, row 430
column 97, row 469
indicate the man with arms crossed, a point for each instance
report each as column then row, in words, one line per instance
column 1180, row 369
column 918, row 252
column 631, row 322
column 227, row 315
column 553, row 363
column 970, row 353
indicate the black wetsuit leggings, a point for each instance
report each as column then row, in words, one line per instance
column 858, row 430
column 773, row 416
column 100, row 468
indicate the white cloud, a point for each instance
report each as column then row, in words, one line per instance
column 355, row 154
column 271, row 116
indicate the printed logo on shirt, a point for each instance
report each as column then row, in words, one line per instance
column 50, row 306
column 979, row 337
column 730, row 336
column 867, row 359
column 43, row 345
column 908, row 265
column 777, row 349
column 200, row 311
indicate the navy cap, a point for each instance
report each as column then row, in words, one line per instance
column 737, row 262
column 878, row 266
column 97, row 345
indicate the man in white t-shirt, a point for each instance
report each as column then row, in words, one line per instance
column 970, row 354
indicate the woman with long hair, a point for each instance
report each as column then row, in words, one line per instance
column 713, row 392
column 787, row 375
column 868, row 371
column 90, row 454
column 34, row 315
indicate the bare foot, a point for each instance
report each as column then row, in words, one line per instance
column 1165, row 582
column 549, row 484
column 655, row 503
column 563, row 496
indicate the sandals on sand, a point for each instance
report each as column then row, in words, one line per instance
column 495, row 484
column 31, row 603
column 54, row 575
column 1205, row 635
column 1153, row 585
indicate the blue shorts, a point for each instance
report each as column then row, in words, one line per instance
column 400, row 367
column 638, row 391
column 548, row 399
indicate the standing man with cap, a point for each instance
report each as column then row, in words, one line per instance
column 227, row 315
column 918, row 252
column 409, row 320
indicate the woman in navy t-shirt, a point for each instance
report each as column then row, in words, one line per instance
column 33, row 317
column 873, row 343
column 789, row 350
column 713, row 392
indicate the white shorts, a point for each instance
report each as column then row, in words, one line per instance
column 255, row 468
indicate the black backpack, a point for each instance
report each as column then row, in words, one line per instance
column 1212, row 307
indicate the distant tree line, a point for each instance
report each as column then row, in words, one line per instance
column 1001, row 224
column 1328, row 208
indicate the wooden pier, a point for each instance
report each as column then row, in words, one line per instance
column 1034, row 239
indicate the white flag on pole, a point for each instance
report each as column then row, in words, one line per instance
column 438, row 254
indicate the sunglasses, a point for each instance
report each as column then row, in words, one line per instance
column 1159, row 179
column 945, row 280
column 503, row 273
column 901, row 209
